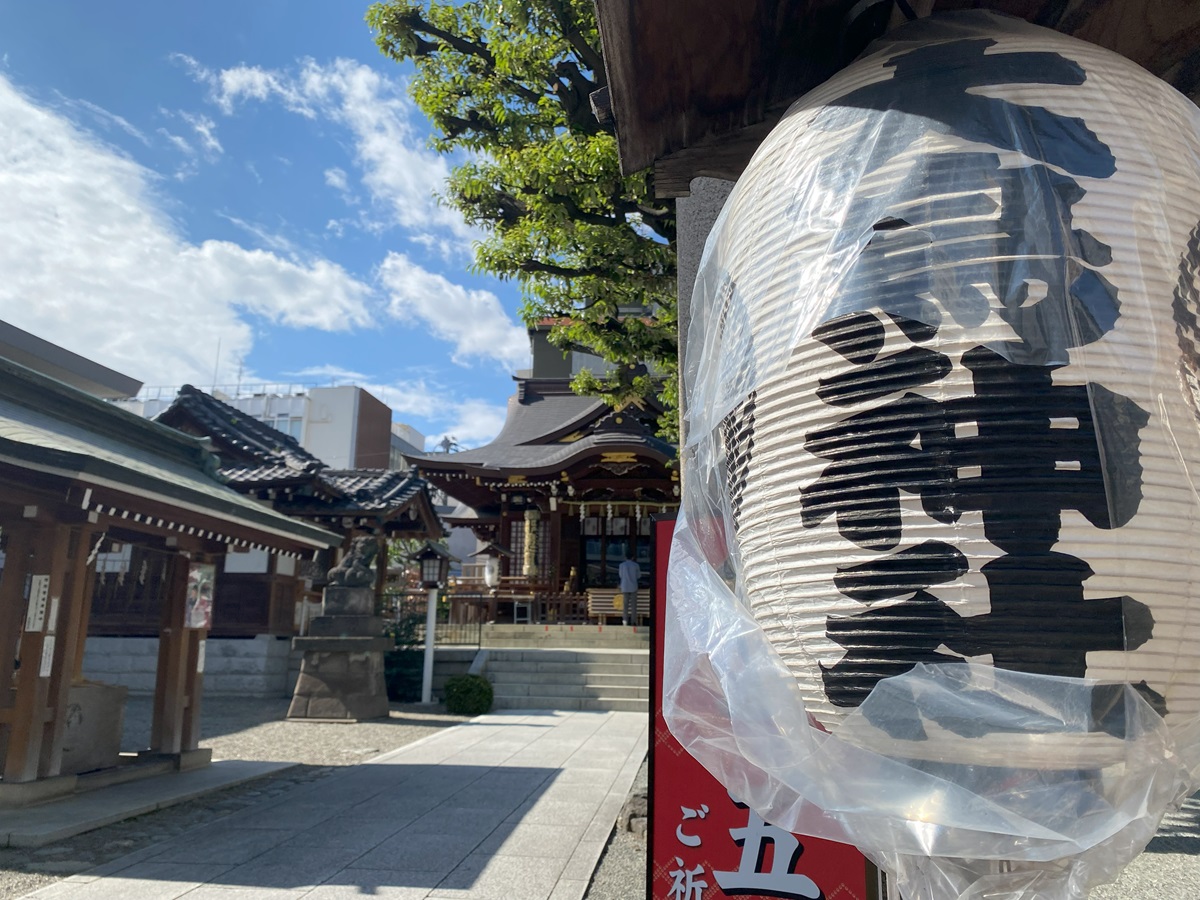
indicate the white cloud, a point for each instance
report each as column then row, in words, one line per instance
column 329, row 373
column 400, row 173
column 179, row 142
column 205, row 129
column 476, row 422
column 419, row 402
column 336, row 178
column 108, row 119
column 91, row 262
column 473, row 321
column 268, row 239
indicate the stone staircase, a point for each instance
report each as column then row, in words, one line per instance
column 566, row 637
column 569, row 679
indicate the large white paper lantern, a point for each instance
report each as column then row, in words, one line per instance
column 943, row 404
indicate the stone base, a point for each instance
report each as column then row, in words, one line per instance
column 95, row 714
column 341, row 680
column 28, row 793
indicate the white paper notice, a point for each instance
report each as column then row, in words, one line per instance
column 39, row 592
column 47, row 658
column 200, row 657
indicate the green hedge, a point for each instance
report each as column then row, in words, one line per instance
column 468, row 695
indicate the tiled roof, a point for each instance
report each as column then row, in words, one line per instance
column 374, row 489
column 243, row 434
column 266, row 476
column 57, row 428
column 540, row 416
column 271, row 459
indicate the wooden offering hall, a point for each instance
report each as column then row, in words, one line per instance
column 272, row 467
column 562, row 494
column 92, row 495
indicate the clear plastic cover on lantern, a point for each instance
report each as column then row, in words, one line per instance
column 934, row 587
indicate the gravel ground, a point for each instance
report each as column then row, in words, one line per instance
column 234, row 728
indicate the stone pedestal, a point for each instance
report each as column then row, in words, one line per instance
column 341, row 675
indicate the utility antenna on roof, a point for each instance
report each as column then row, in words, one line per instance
column 216, row 366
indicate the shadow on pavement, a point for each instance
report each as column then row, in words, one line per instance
column 1180, row 830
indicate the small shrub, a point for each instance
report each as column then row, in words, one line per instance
column 468, row 695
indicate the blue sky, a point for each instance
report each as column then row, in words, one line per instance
column 249, row 176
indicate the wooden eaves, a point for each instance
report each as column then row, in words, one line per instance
column 695, row 85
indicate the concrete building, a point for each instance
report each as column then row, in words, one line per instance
column 344, row 426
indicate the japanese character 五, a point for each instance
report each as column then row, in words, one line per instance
column 780, row 880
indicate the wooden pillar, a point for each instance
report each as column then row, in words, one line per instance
column 381, row 567
column 170, row 689
column 12, row 611
column 554, row 554
column 196, row 643
column 70, row 629
column 180, row 678
column 33, row 726
column 91, row 537
column 12, row 602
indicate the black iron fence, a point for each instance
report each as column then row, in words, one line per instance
column 405, row 613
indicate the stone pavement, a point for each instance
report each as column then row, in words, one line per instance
column 511, row 806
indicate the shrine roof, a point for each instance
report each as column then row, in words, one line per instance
column 50, row 427
column 375, row 489
column 548, row 427
column 244, row 436
column 269, row 459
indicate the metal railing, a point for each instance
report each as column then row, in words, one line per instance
column 405, row 615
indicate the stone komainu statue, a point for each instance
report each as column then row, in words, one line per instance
column 357, row 568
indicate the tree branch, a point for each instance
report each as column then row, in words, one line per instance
column 469, row 48
column 462, row 45
column 573, row 209
column 533, row 265
column 574, row 37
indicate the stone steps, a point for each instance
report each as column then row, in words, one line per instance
column 565, row 636
column 587, row 679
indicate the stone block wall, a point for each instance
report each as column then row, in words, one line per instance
column 265, row 666
column 250, row 668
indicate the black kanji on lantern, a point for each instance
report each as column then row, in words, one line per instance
column 978, row 236
column 1021, row 450
column 982, row 232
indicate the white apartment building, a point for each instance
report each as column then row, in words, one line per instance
column 344, row 426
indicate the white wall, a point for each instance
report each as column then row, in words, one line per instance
column 329, row 430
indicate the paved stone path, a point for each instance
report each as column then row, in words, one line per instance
column 514, row 806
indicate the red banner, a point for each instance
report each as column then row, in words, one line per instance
column 704, row 844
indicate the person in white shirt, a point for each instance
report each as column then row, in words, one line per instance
column 629, row 572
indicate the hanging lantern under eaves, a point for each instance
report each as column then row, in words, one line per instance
column 944, row 392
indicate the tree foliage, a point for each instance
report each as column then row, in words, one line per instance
column 507, row 85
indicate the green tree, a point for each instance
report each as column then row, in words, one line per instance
column 507, row 86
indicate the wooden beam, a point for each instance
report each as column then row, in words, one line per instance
column 696, row 84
